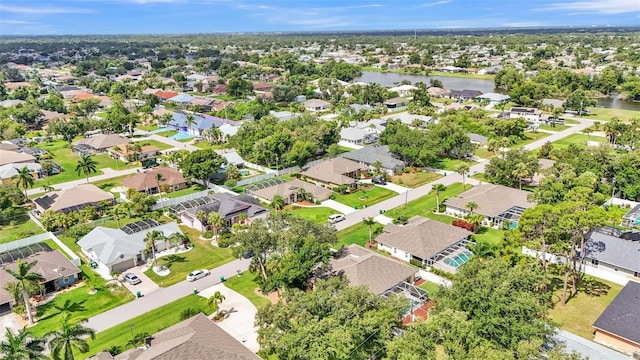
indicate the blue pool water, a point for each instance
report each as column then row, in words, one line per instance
column 182, row 135
column 458, row 260
column 160, row 130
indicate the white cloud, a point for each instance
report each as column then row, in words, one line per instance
column 16, row 22
column 441, row 2
column 43, row 10
column 524, row 24
column 595, row 7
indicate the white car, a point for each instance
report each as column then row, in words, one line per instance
column 336, row 218
column 198, row 274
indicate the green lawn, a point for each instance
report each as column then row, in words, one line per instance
column 579, row 139
column 414, row 180
column 452, row 164
column 554, row 128
column 156, row 143
column 425, row 205
column 245, row 285
column 317, row 214
column 194, row 188
column 147, row 127
column 23, row 227
column 531, row 137
column 109, row 184
column 482, row 152
column 373, row 196
column 355, row 234
column 577, row 316
column 430, row 287
column 489, row 235
column 150, row 323
column 608, row 113
column 168, row 133
column 80, row 304
column 202, row 256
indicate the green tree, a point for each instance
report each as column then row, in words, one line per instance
column 202, row 164
column 24, row 178
column 520, row 172
column 471, row 205
column 503, row 169
column 437, row 188
column 578, row 101
column 22, row 346
column 475, row 220
column 232, row 172
column 215, row 300
column 69, row 337
column 188, row 313
column 216, row 221
column 86, row 165
column 277, row 202
column 202, row 217
column 27, row 281
column 463, row 169
column 369, row 222
column 159, row 178
column 151, row 238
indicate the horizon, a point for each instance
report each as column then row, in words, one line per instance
column 176, row 17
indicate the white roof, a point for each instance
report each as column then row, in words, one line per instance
column 10, row 170
column 403, row 88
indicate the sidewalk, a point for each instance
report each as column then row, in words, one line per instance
column 108, row 173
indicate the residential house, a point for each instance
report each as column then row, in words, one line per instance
column 438, row 92
column 494, row 98
column 632, row 217
column 219, row 89
column 465, row 94
column 147, row 181
column 404, row 90
column 197, row 338
column 613, row 250
column 531, row 115
column 427, row 242
column 99, row 143
column 359, row 135
column 72, row 199
column 57, row 271
column 11, row 103
column 234, row 158
column 316, row 105
column 617, row 326
column 412, row 120
column 180, row 99
column 11, row 86
column 478, row 139
column 396, row 103
column 11, row 157
column 500, row 205
column 335, row 172
column 290, row 191
column 7, row 146
column 204, row 104
column 199, row 122
column 262, row 87
column 121, row 249
column 282, row 115
column 363, row 267
column 9, row 171
column 369, row 155
column 128, row 153
column 165, row 95
column 230, row 207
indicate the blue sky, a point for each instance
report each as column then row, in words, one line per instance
column 36, row 17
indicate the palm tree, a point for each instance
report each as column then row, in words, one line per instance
column 202, row 217
column 24, row 178
column 463, row 169
column 369, row 222
column 86, row 165
column 437, row 188
column 22, row 345
column 277, row 202
column 159, row 178
column 476, row 221
column 26, row 280
column 190, row 121
column 471, row 205
column 217, row 221
column 116, row 212
column 116, row 150
column 588, row 131
column 151, row 238
column 215, row 300
column 68, row 337
column 521, row 171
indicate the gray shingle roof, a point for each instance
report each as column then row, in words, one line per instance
column 422, row 237
column 333, row 171
column 492, row 199
column 369, row 154
column 613, row 250
column 622, row 316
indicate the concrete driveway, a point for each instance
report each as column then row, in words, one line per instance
column 146, row 287
column 241, row 318
column 10, row 321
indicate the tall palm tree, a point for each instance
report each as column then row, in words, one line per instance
column 24, row 178
column 369, row 222
column 476, row 221
column 151, row 238
column 26, row 280
column 116, row 211
column 277, row 202
column 520, row 171
column 471, row 205
column 463, row 169
column 202, row 217
column 217, row 221
column 70, row 336
column 159, row 178
column 437, row 188
column 22, row 346
column 86, row 165
column 190, row 121
column 215, row 300
column 117, row 149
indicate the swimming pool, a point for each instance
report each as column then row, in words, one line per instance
column 181, row 135
column 458, row 260
column 161, row 130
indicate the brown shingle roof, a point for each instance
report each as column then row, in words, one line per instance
column 332, row 171
column 197, row 338
column 103, row 141
column 11, row 157
column 365, row 267
column 491, row 199
column 422, row 237
column 142, row 181
column 124, row 151
column 75, row 196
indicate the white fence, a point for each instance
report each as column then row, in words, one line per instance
column 255, row 179
column 177, row 200
column 24, row 242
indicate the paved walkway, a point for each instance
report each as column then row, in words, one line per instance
column 588, row 348
column 338, row 206
column 242, row 314
column 164, row 296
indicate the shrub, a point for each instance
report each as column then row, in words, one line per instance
column 208, row 234
column 230, row 184
column 226, row 240
column 318, row 202
column 417, row 263
column 401, row 220
column 442, row 273
column 462, row 224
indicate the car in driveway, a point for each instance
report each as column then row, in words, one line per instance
column 198, row 274
column 380, row 180
column 336, row 218
column 132, row 278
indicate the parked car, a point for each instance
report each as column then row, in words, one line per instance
column 132, row 278
column 198, row 274
column 335, row 218
column 380, row 180
column 247, row 254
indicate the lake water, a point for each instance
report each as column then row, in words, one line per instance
column 391, row 79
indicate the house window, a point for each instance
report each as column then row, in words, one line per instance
column 594, row 262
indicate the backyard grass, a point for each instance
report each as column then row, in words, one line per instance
column 355, row 234
column 531, row 137
column 414, row 180
column 23, row 227
column 317, row 214
column 489, row 235
column 147, row 127
column 425, row 205
column 483, row 153
column 579, row 139
column 80, row 304
column 245, row 285
column 373, row 196
column 168, row 133
column 156, row 143
column 194, row 188
column 150, row 322
column 429, row 286
column 452, row 164
column 608, row 113
column 554, row 128
column 577, row 316
column 111, row 183
column 202, row 256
